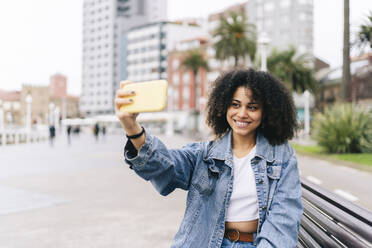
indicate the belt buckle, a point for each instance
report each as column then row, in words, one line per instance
column 238, row 235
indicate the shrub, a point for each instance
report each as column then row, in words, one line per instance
column 344, row 128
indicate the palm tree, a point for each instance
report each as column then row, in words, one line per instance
column 235, row 38
column 365, row 33
column 292, row 69
column 346, row 53
column 195, row 61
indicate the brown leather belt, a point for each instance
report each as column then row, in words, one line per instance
column 235, row 235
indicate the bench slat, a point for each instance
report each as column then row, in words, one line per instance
column 354, row 224
column 343, row 235
column 357, row 211
column 318, row 234
column 304, row 237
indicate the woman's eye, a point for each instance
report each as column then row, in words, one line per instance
column 235, row 105
column 252, row 107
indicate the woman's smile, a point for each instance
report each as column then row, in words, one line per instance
column 242, row 124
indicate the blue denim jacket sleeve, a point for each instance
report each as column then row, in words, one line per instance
column 282, row 223
column 166, row 169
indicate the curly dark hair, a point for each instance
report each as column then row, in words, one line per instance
column 279, row 121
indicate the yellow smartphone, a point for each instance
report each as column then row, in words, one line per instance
column 149, row 96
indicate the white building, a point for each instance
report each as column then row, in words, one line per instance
column 149, row 45
column 103, row 63
column 286, row 22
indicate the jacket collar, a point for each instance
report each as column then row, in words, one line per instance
column 222, row 148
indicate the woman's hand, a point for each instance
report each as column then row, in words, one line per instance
column 127, row 120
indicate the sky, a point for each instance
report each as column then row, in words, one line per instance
column 42, row 37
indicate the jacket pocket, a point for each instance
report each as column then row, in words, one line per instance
column 205, row 177
column 273, row 174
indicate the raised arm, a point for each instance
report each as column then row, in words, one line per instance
column 128, row 120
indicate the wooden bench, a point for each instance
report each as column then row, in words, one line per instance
column 331, row 221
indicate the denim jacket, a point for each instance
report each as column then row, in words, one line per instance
column 205, row 169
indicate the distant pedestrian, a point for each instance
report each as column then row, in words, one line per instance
column 52, row 134
column 103, row 132
column 68, row 130
column 243, row 186
column 76, row 130
column 96, row 131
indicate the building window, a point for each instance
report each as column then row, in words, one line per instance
column 302, row 16
column 186, row 78
column 285, row 3
column 175, row 64
column 269, row 6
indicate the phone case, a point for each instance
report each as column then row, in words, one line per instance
column 149, row 97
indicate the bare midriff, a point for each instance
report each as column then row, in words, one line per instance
column 243, row 226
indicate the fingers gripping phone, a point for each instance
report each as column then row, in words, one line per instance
column 149, row 96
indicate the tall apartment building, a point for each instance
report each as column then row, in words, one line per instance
column 104, row 45
column 149, row 45
column 286, row 22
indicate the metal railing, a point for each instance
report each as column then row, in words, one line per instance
column 330, row 221
column 19, row 136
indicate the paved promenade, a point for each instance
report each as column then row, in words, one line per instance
column 84, row 195
column 81, row 195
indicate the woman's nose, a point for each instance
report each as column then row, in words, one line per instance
column 242, row 112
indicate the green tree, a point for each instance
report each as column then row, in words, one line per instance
column 235, row 38
column 365, row 33
column 195, row 61
column 292, row 69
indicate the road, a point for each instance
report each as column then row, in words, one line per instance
column 84, row 195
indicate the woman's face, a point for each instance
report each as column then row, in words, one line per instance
column 244, row 114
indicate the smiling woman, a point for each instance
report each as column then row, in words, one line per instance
column 243, row 186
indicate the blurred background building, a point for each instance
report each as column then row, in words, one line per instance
column 104, row 47
column 44, row 97
column 149, row 46
column 182, row 81
column 359, row 89
column 286, row 22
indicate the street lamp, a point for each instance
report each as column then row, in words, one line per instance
column 28, row 116
column 263, row 42
column 307, row 112
column 28, row 112
column 51, row 116
column 56, row 117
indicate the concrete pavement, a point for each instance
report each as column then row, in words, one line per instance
column 84, row 195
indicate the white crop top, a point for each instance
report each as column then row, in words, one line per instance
column 243, row 204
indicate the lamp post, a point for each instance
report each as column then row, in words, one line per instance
column 28, row 116
column 263, row 42
column 51, row 116
column 28, row 112
column 64, row 108
column 307, row 112
column 56, row 117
